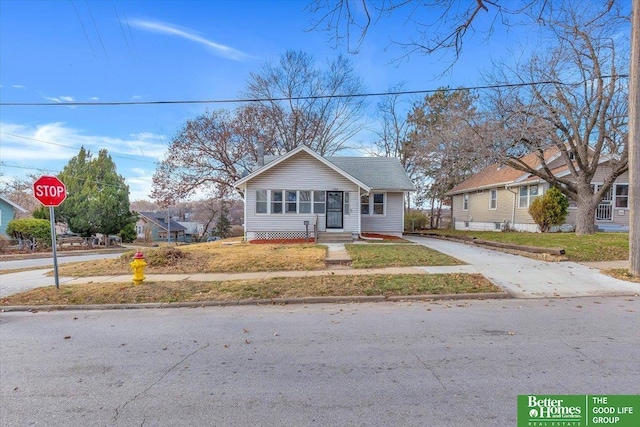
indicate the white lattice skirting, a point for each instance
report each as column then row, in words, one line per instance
column 273, row 235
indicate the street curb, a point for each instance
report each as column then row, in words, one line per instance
column 274, row 301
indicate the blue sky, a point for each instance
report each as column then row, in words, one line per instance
column 62, row 51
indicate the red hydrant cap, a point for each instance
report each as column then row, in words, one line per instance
column 138, row 255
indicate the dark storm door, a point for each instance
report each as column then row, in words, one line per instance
column 334, row 209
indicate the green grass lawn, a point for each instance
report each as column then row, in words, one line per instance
column 390, row 255
column 594, row 247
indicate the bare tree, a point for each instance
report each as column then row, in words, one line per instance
column 297, row 103
column 579, row 114
column 20, row 191
column 437, row 25
column 304, row 104
column 393, row 135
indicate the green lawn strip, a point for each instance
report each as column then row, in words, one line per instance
column 186, row 291
column 375, row 256
column 594, row 247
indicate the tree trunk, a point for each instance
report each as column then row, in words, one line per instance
column 585, row 218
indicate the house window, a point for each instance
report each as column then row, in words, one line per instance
column 261, row 201
column 378, row 203
column 493, row 199
column 139, row 229
column 622, row 195
column 465, row 202
column 291, row 205
column 319, row 200
column 527, row 195
column 304, row 203
column 347, row 209
column 364, row 204
column 276, row 202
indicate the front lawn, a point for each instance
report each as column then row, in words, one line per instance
column 595, row 247
column 390, row 255
column 290, row 287
column 214, row 257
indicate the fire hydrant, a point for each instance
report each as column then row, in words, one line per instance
column 137, row 265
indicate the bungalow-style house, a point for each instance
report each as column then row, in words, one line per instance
column 500, row 196
column 8, row 211
column 155, row 226
column 300, row 193
column 192, row 230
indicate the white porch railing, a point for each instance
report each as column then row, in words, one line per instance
column 604, row 212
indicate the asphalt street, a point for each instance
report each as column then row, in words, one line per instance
column 458, row 363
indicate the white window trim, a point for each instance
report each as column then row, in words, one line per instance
column 284, row 202
column 615, row 197
column 491, row 193
column 371, row 204
column 540, row 193
column 465, row 197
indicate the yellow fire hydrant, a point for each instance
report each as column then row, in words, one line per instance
column 137, row 265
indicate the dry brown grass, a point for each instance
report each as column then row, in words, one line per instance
column 163, row 292
column 213, row 257
column 622, row 274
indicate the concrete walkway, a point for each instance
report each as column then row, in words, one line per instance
column 523, row 277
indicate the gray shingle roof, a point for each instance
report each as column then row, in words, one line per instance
column 379, row 173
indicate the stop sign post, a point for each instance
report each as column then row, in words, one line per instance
column 50, row 191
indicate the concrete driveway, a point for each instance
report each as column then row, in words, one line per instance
column 524, row 277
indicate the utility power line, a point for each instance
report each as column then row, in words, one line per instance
column 294, row 98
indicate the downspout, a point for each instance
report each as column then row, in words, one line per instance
column 244, row 222
column 513, row 210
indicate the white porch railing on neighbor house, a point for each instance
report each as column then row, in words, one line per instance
column 604, row 212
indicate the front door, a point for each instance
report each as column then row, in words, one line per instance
column 334, row 209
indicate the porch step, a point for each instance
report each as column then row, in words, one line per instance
column 324, row 237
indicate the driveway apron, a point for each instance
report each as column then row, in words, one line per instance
column 524, row 277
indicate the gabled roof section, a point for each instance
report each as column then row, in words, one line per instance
column 499, row 174
column 158, row 219
column 379, row 173
column 292, row 153
column 14, row 205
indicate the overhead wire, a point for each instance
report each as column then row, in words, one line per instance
column 297, row 98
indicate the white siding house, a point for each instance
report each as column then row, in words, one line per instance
column 300, row 192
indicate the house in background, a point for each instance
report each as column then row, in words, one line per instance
column 340, row 197
column 8, row 212
column 155, row 225
column 500, row 195
column 193, row 231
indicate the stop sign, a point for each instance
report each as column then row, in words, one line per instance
column 49, row 190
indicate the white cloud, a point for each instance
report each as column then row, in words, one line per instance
column 94, row 98
column 60, row 99
column 186, row 33
column 18, row 87
column 136, row 97
column 51, row 145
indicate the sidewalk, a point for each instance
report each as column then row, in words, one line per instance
column 524, row 277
